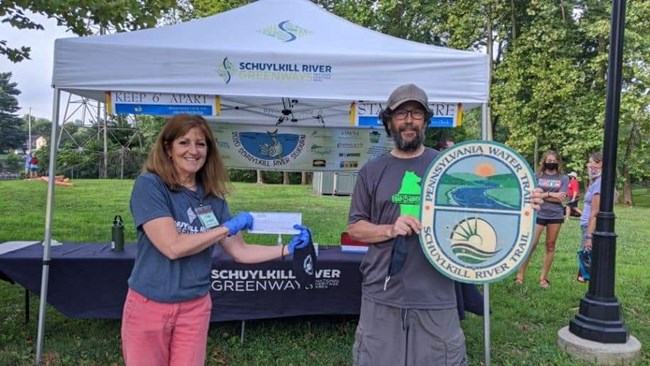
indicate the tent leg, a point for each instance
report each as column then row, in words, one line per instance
column 26, row 306
column 241, row 336
column 486, row 322
column 485, row 135
column 49, row 215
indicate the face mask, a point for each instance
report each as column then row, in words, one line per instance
column 594, row 173
column 550, row 166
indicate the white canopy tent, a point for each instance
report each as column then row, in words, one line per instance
column 268, row 49
column 256, row 61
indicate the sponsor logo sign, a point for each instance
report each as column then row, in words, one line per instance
column 476, row 212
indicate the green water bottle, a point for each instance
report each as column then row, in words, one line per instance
column 117, row 234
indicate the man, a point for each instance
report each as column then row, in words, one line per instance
column 413, row 321
column 409, row 318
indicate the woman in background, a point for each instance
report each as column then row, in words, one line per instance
column 592, row 203
column 554, row 183
column 571, row 208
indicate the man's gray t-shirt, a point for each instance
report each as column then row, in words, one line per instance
column 386, row 188
column 552, row 183
column 154, row 275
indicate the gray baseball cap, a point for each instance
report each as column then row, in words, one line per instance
column 406, row 93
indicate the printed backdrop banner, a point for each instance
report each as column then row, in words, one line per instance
column 299, row 148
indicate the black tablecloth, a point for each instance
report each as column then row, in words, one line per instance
column 88, row 280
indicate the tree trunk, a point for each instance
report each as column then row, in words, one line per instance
column 260, row 180
column 625, row 167
column 627, row 192
column 513, row 20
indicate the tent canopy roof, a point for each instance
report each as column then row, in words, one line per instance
column 268, row 49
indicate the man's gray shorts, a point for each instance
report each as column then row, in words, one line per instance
column 392, row 336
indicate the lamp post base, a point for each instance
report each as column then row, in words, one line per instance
column 599, row 321
column 599, row 353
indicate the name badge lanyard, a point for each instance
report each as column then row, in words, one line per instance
column 194, row 195
column 204, row 213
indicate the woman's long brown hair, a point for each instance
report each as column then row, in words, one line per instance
column 213, row 175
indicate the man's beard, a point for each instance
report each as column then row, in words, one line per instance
column 405, row 145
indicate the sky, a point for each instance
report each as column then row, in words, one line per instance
column 33, row 76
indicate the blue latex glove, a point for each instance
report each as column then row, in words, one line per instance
column 241, row 221
column 301, row 239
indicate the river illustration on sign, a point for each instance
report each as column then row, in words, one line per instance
column 476, row 213
column 270, row 148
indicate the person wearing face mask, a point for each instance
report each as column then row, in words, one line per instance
column 592, row 202
column 554, row 183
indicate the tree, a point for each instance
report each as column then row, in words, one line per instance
column 11, row 126
column 14, row 164
column 548, row 91
column 122, row 16
column 40, row 126
column 634, row 124
column 204, row 8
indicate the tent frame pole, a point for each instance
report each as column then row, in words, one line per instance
column 485, row 136
column 49, row 215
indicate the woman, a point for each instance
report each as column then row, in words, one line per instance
column 180, row 212
column 592, row 203
column 33, row 166
column 571, row 208
column 554, row 183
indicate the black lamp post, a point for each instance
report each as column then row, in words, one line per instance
column 599, row 318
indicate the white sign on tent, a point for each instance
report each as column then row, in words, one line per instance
column 161, row 104
column 445, row 115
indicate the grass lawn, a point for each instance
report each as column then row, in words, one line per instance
column 524, row 322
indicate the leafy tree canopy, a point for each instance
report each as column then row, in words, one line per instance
column 78, row 15
column 11, row 126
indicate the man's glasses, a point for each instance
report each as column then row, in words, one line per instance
column 401, row 114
